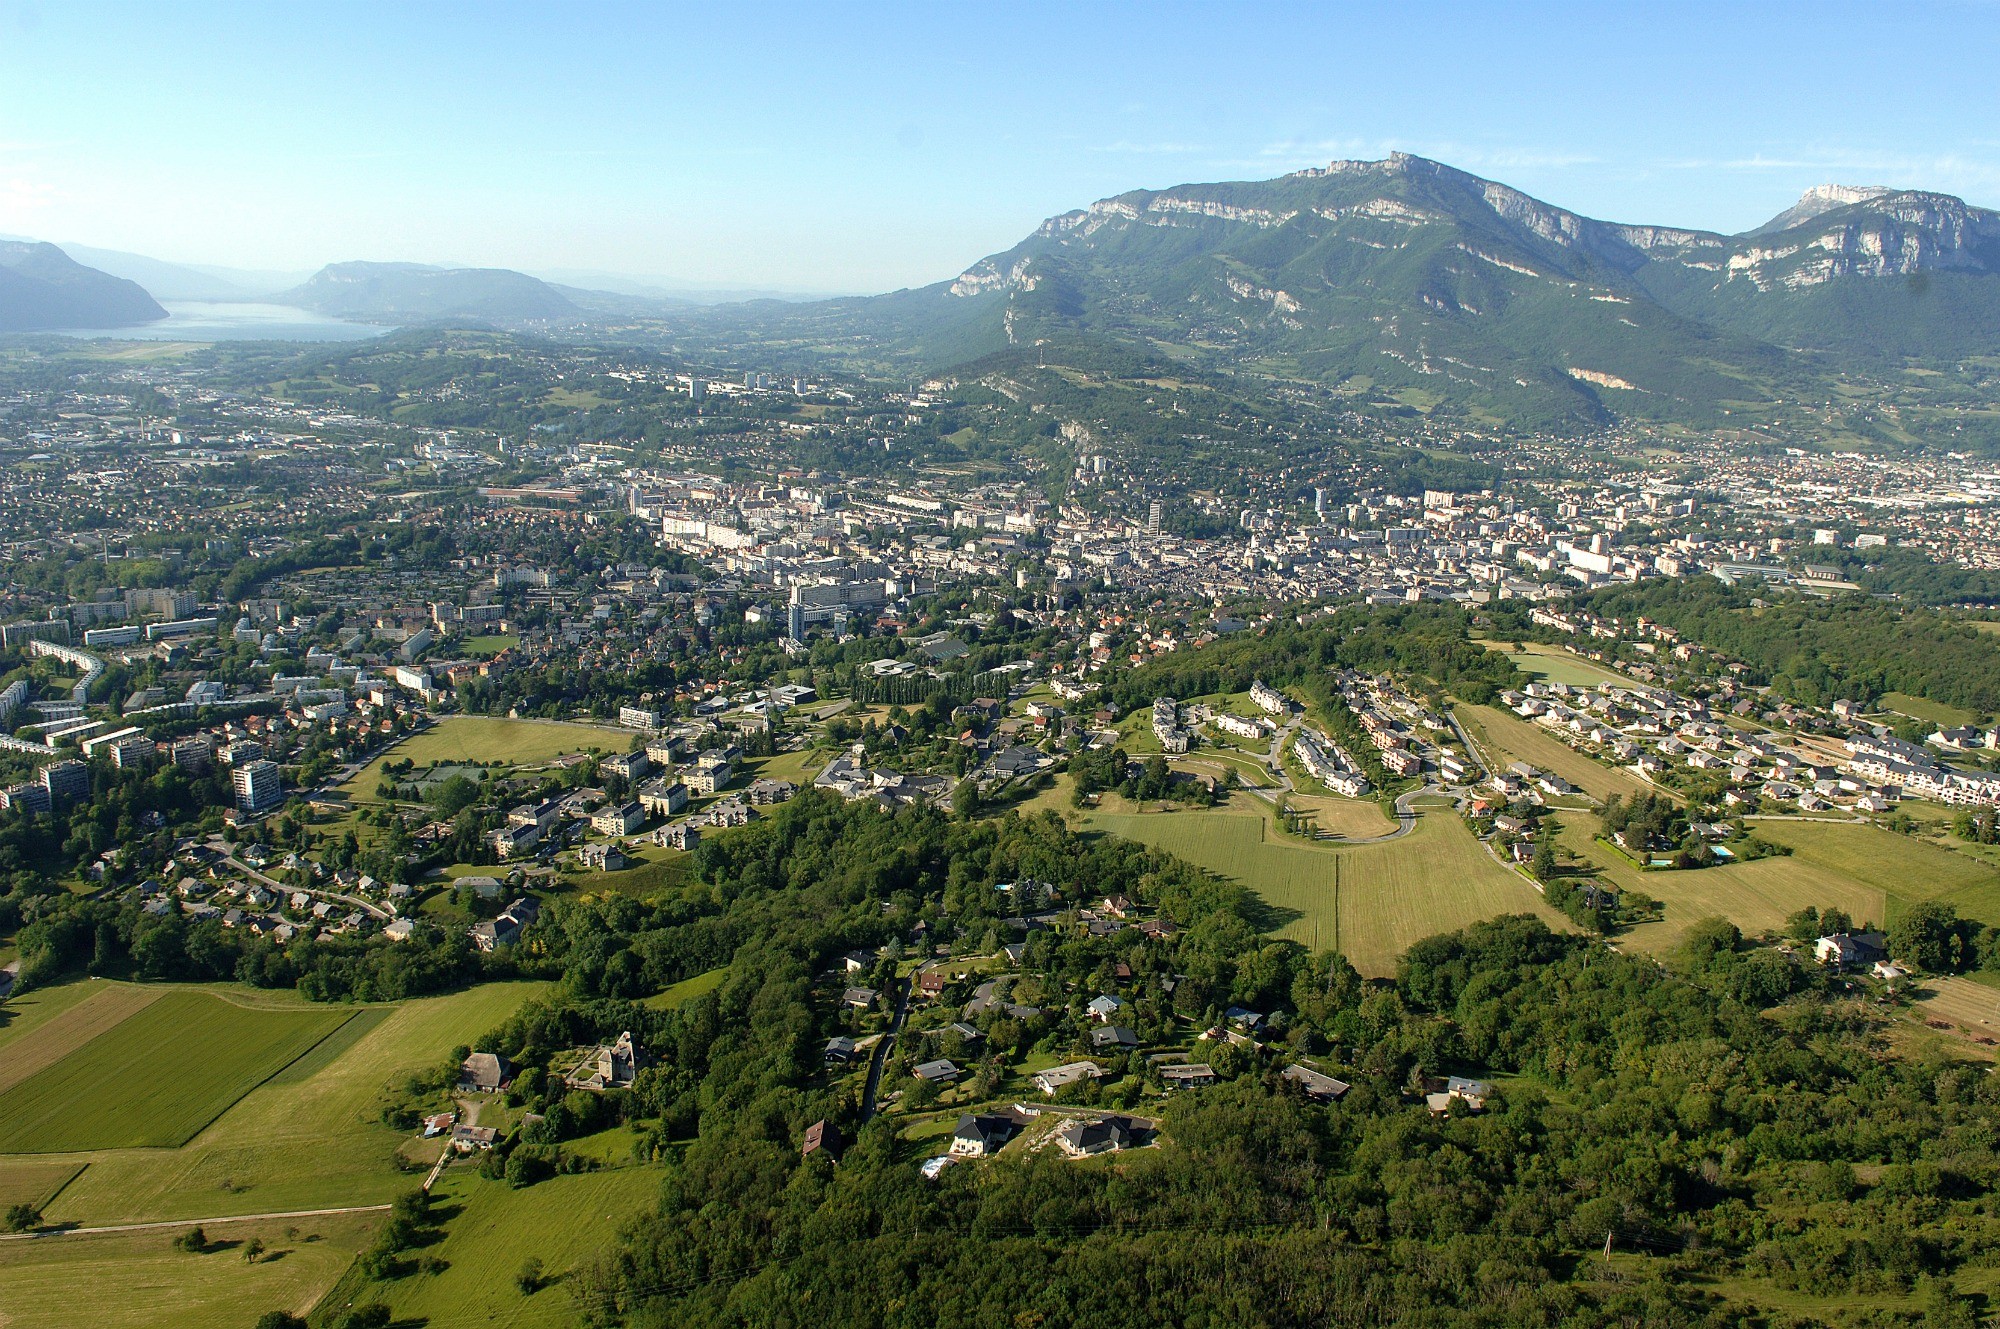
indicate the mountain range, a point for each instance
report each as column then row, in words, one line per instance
column 1402, row 283
column 1408, row 280
column 41, row 288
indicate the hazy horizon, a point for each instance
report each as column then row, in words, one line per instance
column 789, row 148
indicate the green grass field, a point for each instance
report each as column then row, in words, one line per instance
column 1756, row 896
column 26, row 1010
column 35, row 1183
column 1436, row 879
column 1918, row 708
column 1505, row 737
column 672, row 868
column 487, row 738
column 157, row 1076
column 798, row 767
column 1553, row 664
column 1902, row 867
column 563, row 1222
column 687, row 989
column 489, row 645
column 308, row 1138
column 70, row 1016
column 136, row 1280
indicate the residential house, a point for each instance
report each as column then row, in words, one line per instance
column 1318, row 1087
column 1081, row 1139
column 1190, row 1075
column 1056, row 1078
column 982, row 1135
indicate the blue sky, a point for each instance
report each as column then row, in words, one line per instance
column 863, row 147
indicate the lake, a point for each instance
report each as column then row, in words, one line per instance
column 200, row 320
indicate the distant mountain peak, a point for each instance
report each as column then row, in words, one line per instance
column 1822, row 199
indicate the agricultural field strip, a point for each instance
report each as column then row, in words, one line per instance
column 158, row 1076
column 51, row 1041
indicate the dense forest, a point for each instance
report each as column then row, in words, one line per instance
column 1726, row 1115
column 1821, row 651
column 1730, row 1122
column 1426, row 641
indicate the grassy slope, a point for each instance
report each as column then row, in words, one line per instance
column 136, row 1280
column 1919, row 708
column 158, row 1076
column 75, row 1014
column 1756, row 896
column 1901, row 867
column 27, row 1010
column 563, row 1222
column 687, row 989
column 300, row 1143
column 1434, row 880
column 1553, row 664
column 1506, row 737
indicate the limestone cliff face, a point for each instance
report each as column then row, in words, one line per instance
column 1873, row 233
column 1833, row 231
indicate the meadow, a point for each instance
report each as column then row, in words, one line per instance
column 1354, row 818
column 563, row 1222
column 157, row 1076
column 1553, row 664
column 1436, row 879
column 1505, row 738
column 1871, row 873
column 56, row 1021
column 1902, row 867
column 488, row 738
column 137, row 1280
column 308, row 1137
column 1758, row 896
column 687, row 990
column 1922, row 708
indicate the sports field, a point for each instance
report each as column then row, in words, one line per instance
column 1505, row 737
column 563, row 1222
column 137, row 1280
column 491, row 644
column 154, row 1077
column 1436, row 879
column 309, row 1137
